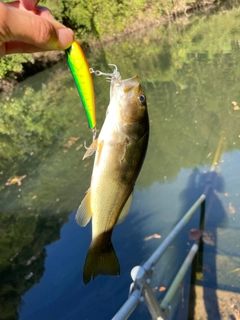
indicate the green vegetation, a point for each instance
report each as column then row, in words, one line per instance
column 26, row 123
column 179, row 61
column 94, row 20
column 97, row 20
column 12, row 65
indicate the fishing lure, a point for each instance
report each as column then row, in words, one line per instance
column 82, row 77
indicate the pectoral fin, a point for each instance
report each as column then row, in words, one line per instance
column 125, row 209
column 90, row 151
column 84, row 212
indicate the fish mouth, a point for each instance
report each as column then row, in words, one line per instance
column 129, row 84
column 124, row 88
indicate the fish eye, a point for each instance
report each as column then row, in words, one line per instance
column 142, row 98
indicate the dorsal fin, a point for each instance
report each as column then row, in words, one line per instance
column 125, row 209
column 84, row 212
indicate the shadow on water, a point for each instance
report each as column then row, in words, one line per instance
column 210, row 183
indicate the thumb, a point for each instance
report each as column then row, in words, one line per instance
column 46, row 34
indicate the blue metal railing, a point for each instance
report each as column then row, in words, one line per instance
column 141, row 290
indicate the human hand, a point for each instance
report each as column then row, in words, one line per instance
column 26, row 27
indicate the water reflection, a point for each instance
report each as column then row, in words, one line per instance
column 191, row 77
column 25, row 267
column 61, row 293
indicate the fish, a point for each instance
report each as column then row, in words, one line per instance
column 120, row 151
column 83, row 79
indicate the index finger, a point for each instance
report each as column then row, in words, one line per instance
column 29, row 4
column 31, row 7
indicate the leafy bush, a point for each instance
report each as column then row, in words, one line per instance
column 91, row 20
column 12, row 64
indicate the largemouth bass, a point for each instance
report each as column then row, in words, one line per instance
column 120, row 152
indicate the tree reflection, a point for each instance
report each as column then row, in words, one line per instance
column 22, row 263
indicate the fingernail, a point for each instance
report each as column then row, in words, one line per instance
column 65, row 38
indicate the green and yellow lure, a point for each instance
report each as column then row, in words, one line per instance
column 80, row 71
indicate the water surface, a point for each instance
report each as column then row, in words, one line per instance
column 190, row 72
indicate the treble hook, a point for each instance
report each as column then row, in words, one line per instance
column 115, row 75
column 100, row 73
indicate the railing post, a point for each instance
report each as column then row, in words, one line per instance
column 179, row 277
column 197, row 263
column 141, row 279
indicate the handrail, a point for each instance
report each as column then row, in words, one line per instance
column 179, row 277
column 140, row 289
column 164, row 245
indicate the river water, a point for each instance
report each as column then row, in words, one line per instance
column 190, row 72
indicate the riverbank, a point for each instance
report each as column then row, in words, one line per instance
column 40, row 61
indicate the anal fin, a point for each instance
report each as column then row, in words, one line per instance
column 84, row 212
column 125, row 209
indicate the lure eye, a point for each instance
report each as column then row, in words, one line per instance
column 141, row 98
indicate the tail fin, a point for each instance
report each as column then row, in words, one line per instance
column 101, row 259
